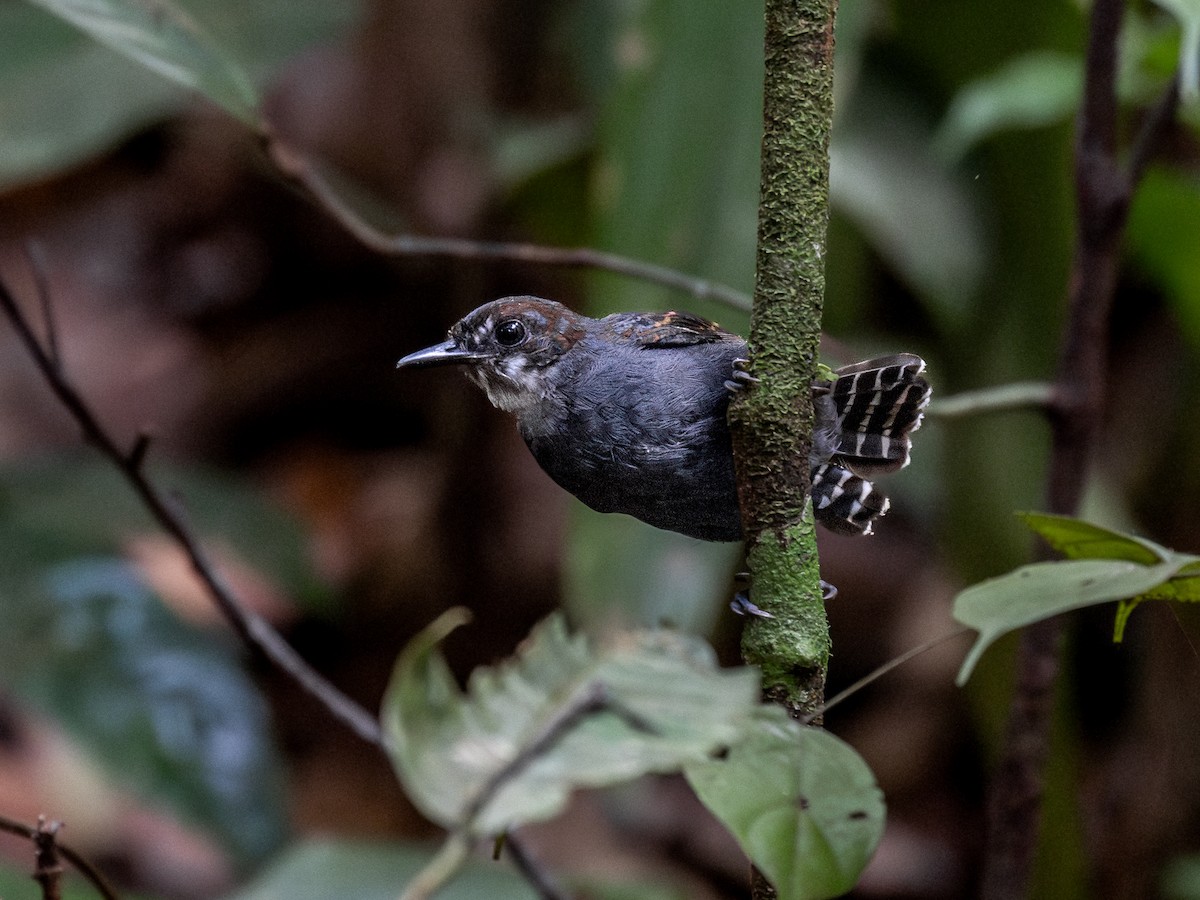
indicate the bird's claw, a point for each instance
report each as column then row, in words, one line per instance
column 740, row 379
column 743, row 607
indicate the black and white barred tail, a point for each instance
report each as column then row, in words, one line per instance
column 876, row 406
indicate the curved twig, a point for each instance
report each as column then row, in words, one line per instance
column 301, row 171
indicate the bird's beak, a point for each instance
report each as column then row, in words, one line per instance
column 445, row 353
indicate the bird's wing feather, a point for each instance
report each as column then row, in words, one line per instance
column 669, row 329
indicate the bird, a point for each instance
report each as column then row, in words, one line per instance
column 628, row 412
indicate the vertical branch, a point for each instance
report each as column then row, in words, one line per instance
column 772, row 423
column 1104, row 189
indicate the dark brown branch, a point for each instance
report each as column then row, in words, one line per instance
column 301, row 171
column 45, row 840
column 251, row 627
column 1104, row 190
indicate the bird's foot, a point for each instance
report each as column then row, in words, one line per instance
column 740, row 378
column 743, row 607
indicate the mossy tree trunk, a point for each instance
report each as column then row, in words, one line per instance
column 772, row 424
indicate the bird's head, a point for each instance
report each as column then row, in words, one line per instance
column 508, row 347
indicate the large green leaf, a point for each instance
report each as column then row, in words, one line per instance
column 164, row 38
column 803, row 805
column 678, row 86
column 1041, row 590
column 165, row 707
column 318, row 870
column 526, row 733
column 64, row 97
column 1077, row 539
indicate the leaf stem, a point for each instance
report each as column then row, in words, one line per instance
column 444, row 865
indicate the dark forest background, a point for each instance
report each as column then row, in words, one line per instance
column 199, row 295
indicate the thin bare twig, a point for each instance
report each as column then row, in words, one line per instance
column 532, row 871
column 301, row 171
column 877, row 673
column 251, row 627
column 1104, row 191
column 47, row 831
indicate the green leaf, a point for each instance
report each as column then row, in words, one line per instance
column 163, row 706
column 164, row 38
column 373, row 870
column 524, row 735
column 1041, row 590
column 803, row 805
column 1076, row 539
column 65, row 98
column 1030, row 91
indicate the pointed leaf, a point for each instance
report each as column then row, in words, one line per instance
column 528, row 732
column 1076, row 539
column 161, row 36
column 803, row 805
column 1039, row 591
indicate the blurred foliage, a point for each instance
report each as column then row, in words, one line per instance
column 317, row 870
column 951, row 236
column 163, row 705
column 64, row 98
column 19, row 885
column 663, row 702
column 1181, row 880
column 55, row 509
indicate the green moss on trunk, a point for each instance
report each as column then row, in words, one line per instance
column 772, row 424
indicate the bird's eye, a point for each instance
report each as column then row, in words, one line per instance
column 510, row 332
